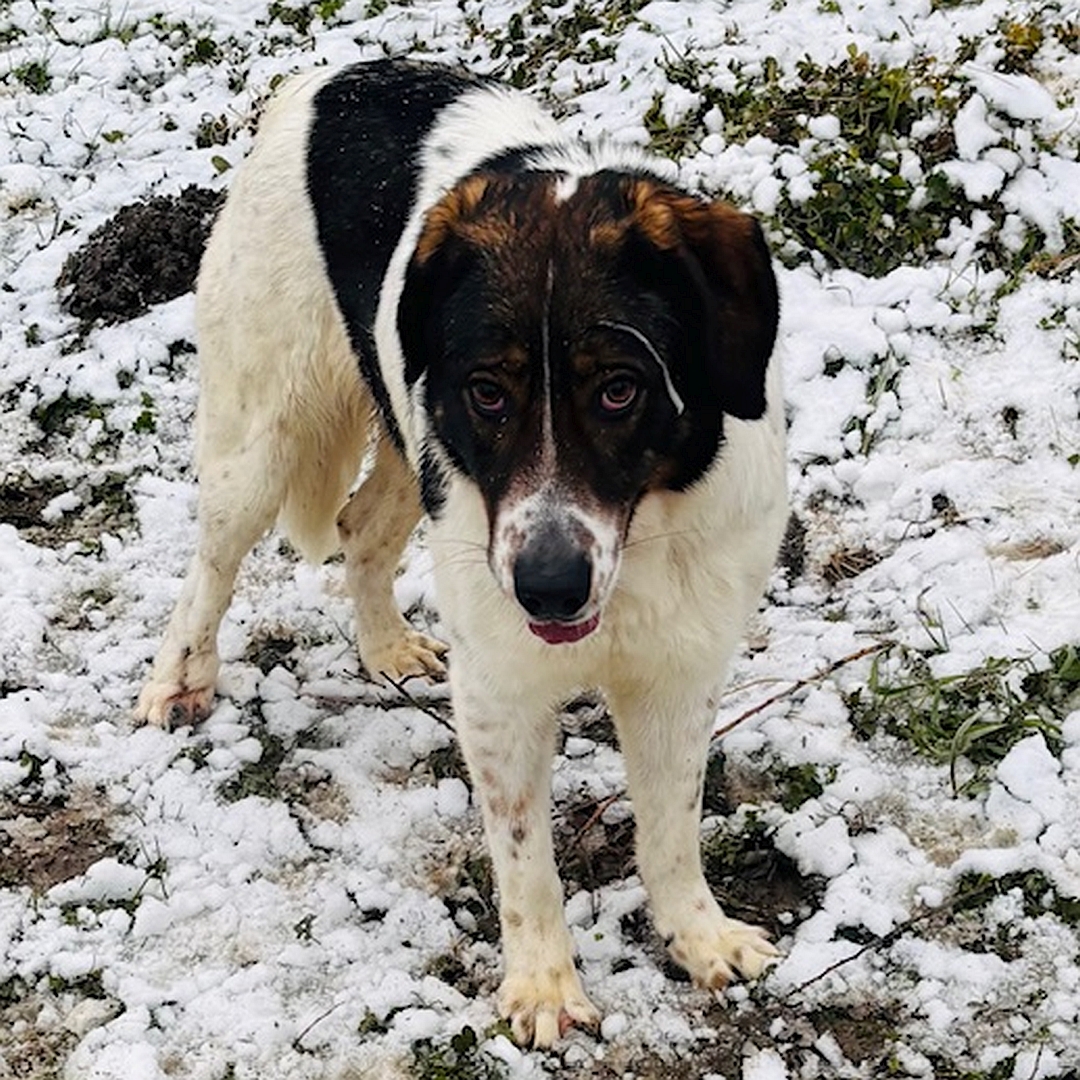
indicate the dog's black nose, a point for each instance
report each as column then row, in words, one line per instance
column 552, row 579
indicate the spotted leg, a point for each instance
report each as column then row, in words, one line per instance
column 238, row 500
column 508, row 744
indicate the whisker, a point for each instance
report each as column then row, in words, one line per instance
column 660, row 536
column 456, row 542
column 464, row 558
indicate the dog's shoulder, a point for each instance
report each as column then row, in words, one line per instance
column 368, row 125
column 385, row 139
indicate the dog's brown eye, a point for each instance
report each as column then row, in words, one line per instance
column 618, row 394
column 488, row 397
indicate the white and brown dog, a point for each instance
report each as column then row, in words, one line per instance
column 563, row 359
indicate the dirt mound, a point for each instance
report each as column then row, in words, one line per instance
column 146, row 254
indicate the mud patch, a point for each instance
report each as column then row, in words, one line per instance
column 272, row 647
column 754, row 881
column 41, row 1021
column 44, row 841
column 26, row 1051
column 146, row 254
column 35, row 507
column 592, row 851
column 465, row 881
column 23, row 500
column 792, row 557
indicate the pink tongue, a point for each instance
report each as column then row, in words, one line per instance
column 556, row 633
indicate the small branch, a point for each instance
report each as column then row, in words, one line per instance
column 942, row 911
column 823, row 673
column 416, row 703
column 594, row 817
column 297, row 1043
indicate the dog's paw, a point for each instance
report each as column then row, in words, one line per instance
column 542, row 1008
column 170, row 706
column 714, row 955
column 413, row 655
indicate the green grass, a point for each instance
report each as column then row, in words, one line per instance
column 535, row 39
column 946, row 1070
column 259, row 778
column 1038, row 894
column 146, row 422
column 59, row 416
column 34, row 75
column 461, row 1058
column 978, row 716
column 300, row 17
column 878, row 198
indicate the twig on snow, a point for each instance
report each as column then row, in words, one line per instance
column 416, row 703
column 297, row 1043
column 823, row 673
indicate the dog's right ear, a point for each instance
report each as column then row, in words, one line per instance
column 439, row 262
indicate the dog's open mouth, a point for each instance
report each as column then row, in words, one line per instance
column 560, row 633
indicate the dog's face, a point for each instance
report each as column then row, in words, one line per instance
column 577, row 346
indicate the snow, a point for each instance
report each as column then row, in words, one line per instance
column 296, row 928
column 765, row 1065
column 1013, row 95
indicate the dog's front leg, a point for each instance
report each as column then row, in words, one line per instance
column 665, row 743
column 508, row 746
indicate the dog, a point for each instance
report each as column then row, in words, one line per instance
column 566, row 362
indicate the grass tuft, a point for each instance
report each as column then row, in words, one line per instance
column 34, row 75
column 459, row 1059
column 1038, row 894
column 874, row 139
column 977, row 716
column 535, row 39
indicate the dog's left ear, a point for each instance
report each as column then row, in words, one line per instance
column 720, row 254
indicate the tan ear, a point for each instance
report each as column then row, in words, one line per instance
column 723, row 253
column 450, row 216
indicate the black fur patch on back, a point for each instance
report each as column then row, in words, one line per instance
column 368, row 126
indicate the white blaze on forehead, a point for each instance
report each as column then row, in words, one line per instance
column 547, row 432
column 576, row 160
column 565, row 187
column 541, row 499
column 676, row 400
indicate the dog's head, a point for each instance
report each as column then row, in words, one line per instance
column 576, row 346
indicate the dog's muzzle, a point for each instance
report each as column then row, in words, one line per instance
column 553, row 580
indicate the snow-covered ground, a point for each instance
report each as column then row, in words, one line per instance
column 298, row 889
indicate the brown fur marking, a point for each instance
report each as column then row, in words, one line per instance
column 447, row 216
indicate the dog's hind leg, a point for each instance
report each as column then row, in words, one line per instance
column 373, row 528
column 664, row 740
column 233, row 514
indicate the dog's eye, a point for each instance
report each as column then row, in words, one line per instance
column 618, row 394
column 488, row 398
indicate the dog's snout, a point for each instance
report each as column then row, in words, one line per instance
column 552, row 579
